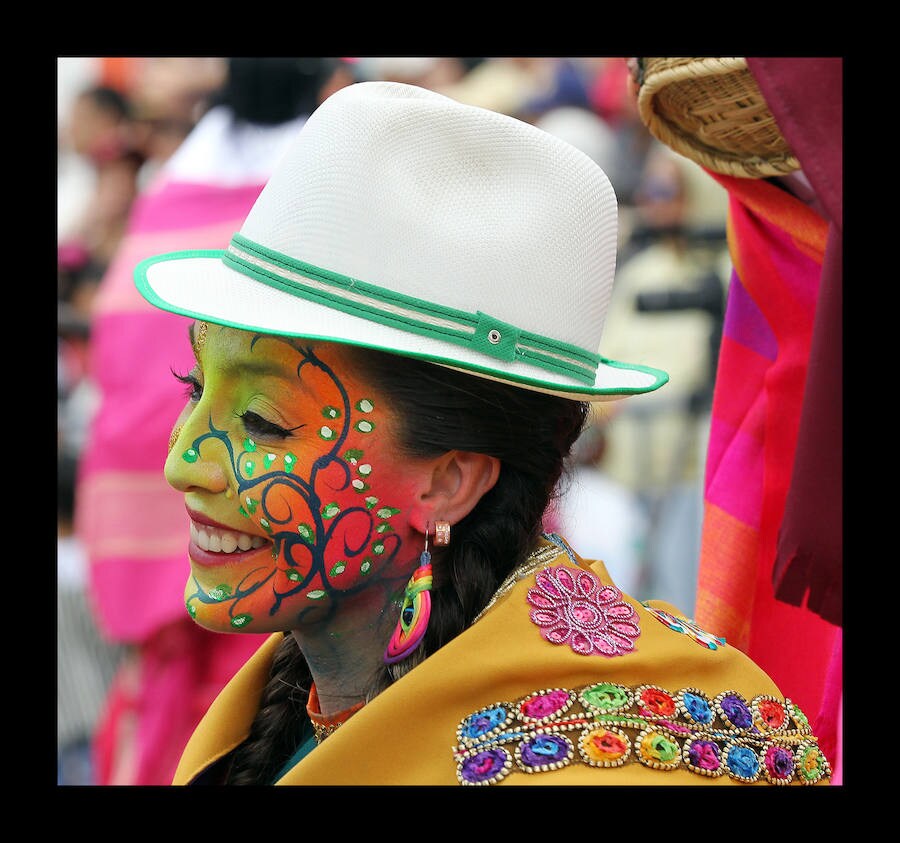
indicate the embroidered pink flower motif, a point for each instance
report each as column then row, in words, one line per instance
column 571, row 606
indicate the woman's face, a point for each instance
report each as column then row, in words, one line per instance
column 298, row 498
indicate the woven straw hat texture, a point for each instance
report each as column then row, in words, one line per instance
column 403, row 220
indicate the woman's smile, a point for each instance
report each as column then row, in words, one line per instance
column 216, row 544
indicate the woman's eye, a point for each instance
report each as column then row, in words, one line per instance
column 194, row 390
column 256, row 425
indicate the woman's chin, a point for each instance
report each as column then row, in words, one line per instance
column 222, row 618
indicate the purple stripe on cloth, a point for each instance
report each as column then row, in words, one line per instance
column 745, row 323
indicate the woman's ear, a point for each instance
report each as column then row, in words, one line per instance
column 458, row 481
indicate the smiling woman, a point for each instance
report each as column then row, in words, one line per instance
column 393, row 362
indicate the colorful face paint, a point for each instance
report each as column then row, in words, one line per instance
column 319, row 516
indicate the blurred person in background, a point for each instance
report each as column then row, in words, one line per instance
column 518, row 86
column 669, row 300
column 100, row 132
column 170, row 95
column 432, row 72
column 97, row 185
column 98, row 158
column 86, row 662
column 599, row 515
column 612, row 100
column 132, row 524
column 102, row 157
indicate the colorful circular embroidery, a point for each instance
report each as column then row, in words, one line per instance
column 606, row 698
column 572, row 606
column 655, row 701
column 487, row 767
column 778, row 764
column 800, row 718
column 733, row 709
column 602, row 747
column 810, row 764
column 770, row 714
column 703, row 756
column 658, row 750
column 542, row 706
column 483, row 724
column 742, row 763
column 544, row 752
column 612, row 725
column 696, row 707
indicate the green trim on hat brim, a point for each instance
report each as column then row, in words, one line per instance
column 575, row 392
column 479, row 331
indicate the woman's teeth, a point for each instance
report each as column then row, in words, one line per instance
column 223, row 541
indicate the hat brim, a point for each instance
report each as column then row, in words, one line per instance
column 198, row 284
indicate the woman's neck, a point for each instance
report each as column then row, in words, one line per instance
column 343, row 662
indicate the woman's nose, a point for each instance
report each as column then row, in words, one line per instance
column 194, row 464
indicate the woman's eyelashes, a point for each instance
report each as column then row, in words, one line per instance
column 256, row 425
column 194, row 389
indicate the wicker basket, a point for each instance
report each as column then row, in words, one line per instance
column 712, row 111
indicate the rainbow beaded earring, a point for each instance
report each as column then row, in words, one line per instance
column 416, row 608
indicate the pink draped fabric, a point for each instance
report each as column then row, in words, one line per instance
column 777, row 246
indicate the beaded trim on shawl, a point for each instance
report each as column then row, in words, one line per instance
column 607, row 725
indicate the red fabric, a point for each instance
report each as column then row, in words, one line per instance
column 806, row 98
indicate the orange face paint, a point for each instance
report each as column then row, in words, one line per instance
column 298, row 502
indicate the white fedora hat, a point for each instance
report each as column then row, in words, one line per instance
column 403, row 220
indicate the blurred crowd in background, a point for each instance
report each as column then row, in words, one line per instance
column 135, row 134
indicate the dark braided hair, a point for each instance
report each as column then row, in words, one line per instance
column 440, row 410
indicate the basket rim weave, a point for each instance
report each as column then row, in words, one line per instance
column 650, row 84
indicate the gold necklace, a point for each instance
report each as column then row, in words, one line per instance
column 544, row 555
column 323, row 726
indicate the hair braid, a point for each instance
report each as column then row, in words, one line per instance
column 277, row 728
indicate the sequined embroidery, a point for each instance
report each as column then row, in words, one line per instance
column 607, row 725
column 687, row 626
column 572, row 606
